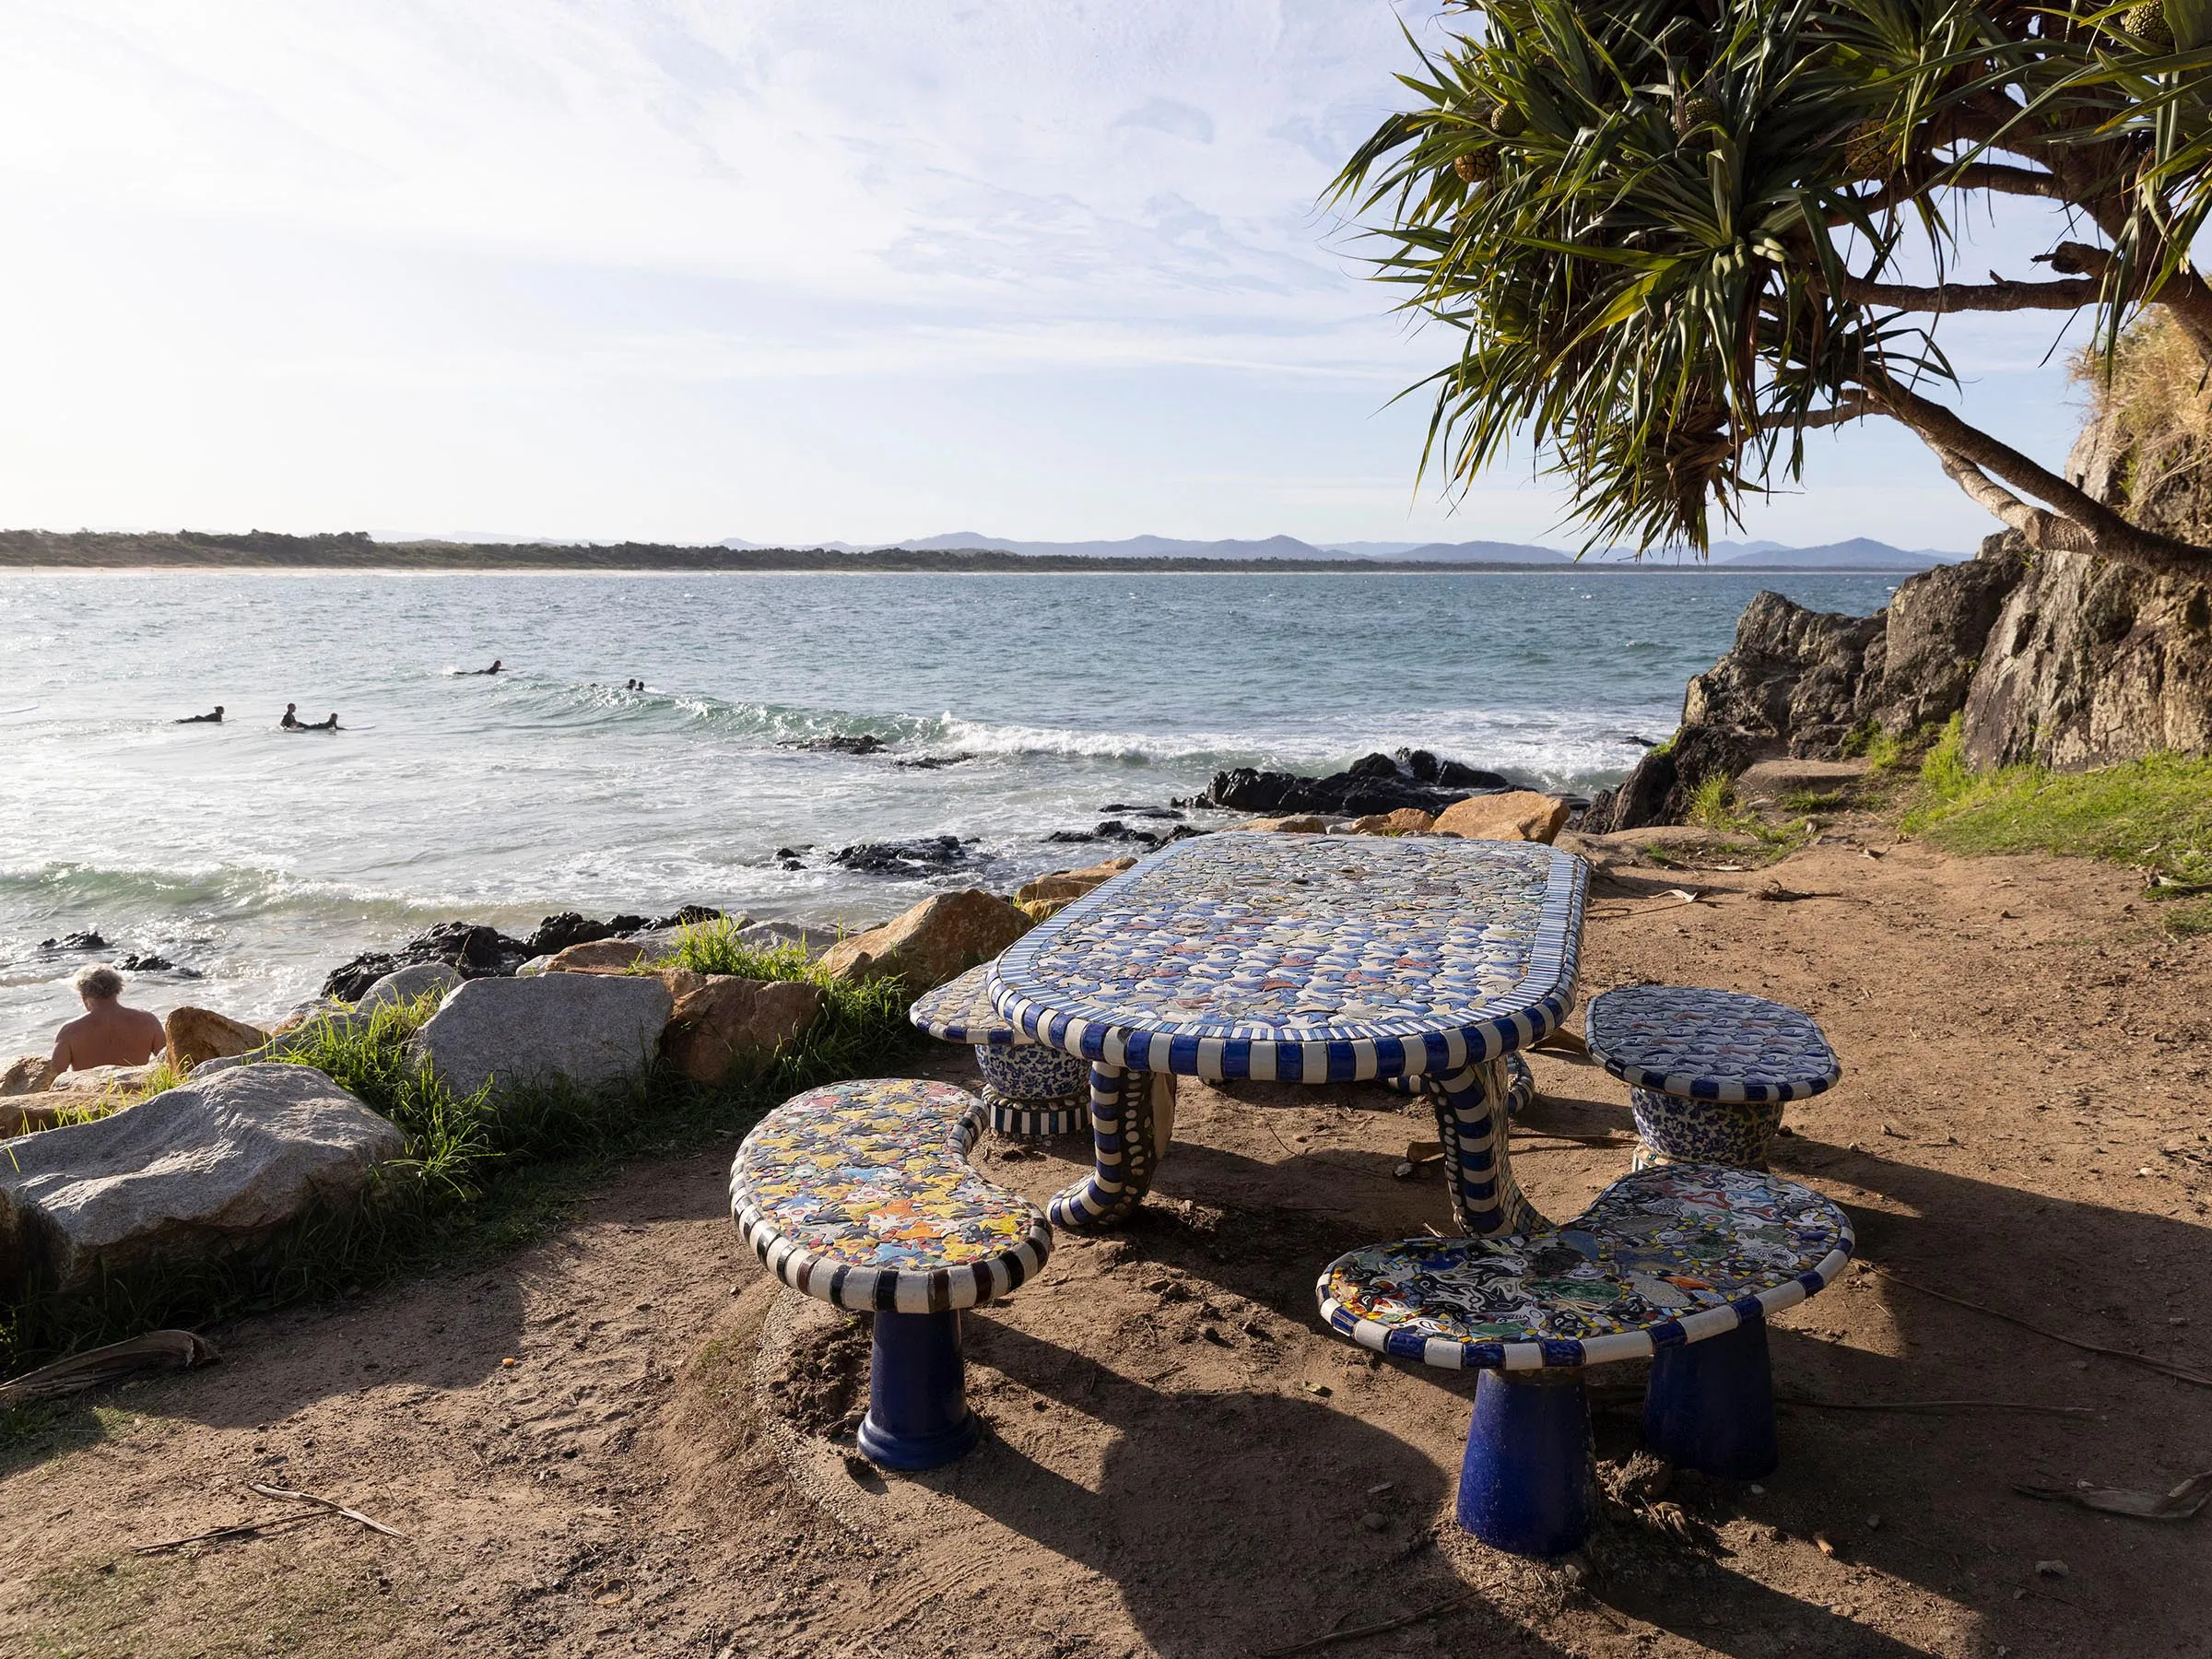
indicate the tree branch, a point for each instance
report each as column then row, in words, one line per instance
column 1943, row 298
column 2184, row 293
column 2081, row 523
column 2005, row 180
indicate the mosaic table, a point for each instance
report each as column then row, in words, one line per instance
column 1312, row 959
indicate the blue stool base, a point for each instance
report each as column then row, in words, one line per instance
column 1524, row 1486
column 1710, row 1406
column 918, row 1416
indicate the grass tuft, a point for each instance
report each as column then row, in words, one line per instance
column 482, row 1174
column 2153, row 813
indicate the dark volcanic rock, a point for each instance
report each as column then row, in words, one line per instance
column 558, row 933
column 135, row 963
column 1658, row 788
column 931, row 762
column 470, row 949
column 76, row 941
column 843, row 743
column 904, row 857
column 690, row 915
column 1372, row 783
column 1935, row 635
column 1790, row 685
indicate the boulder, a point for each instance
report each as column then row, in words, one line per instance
column 196, row 1171
column 590, row 1029
column 408, row 984
column 1518, row 815
column 197, row 1034
column 29, row 1075
column 938, row 939
column 725, row 1027
column 571, row 927
column 601, row 956
column 1308, row 824
column 1405, row 820
column 1063, row 885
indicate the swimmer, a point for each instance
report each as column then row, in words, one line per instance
column 213, row 719
column 108, row 1033
column 493, row 669
column 290, row 722
column 323, row 725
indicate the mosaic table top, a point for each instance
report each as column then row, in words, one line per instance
column 1710, row 1045
column 860, row 1193
column 1665, row 1256
column 1306, row 958
column 961, row 1010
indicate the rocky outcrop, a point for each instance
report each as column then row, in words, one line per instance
column 470, row 949
column 592, row 1030
column 1800, row 682
column 938, row 939
column 919, row 857
column 1517, row 815
column 728, row 1027
column 1376, row 783
column 201, row 1034
column 1792, row 683
column 2090, row 663
column 196, row 1171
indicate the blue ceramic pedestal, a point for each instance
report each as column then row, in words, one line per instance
column 918, row 1415
column 1524, row 1486
column 1710, row 1406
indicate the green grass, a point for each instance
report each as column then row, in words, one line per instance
column 481, row 1175
column 1712, row 804
column 2153, row 814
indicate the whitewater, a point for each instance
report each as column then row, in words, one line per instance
column 258, row 859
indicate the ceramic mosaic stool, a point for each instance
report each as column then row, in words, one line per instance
column 1031, row 1092
column 860, row 1195
column 1708, row 1072
column 1681, row 1263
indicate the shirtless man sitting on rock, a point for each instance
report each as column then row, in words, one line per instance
column 109, row 1034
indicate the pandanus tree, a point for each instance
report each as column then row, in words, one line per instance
column 1674, row 236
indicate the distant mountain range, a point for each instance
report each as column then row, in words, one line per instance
column 1857, row 554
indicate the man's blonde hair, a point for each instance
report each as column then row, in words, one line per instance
column 98, row 982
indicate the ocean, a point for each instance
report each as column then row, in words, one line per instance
column 259, row 859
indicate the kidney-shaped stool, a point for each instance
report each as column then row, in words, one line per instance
column 1031, row 1090
column 1708, row 1072
column 860, row 1195
column 1680, row 1264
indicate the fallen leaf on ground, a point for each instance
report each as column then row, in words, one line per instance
column 2180, row 1504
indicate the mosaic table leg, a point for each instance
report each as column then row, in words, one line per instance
column 1525, row 1482
column 1471, row 1123
column 1132, row 1120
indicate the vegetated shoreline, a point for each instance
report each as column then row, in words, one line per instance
column 39, row 550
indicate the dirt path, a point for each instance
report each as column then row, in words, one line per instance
column 1180, row 1463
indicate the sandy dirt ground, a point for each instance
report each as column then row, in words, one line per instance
column 1180, row 1462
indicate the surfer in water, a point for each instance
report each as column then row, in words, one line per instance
column 493, row 669
column 290, row 722
column 216, row 718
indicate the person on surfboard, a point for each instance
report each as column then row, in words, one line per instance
column 215, row 718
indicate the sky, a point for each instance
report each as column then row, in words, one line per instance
column 789, row 270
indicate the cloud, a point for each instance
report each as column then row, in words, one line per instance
column 1176, row 120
